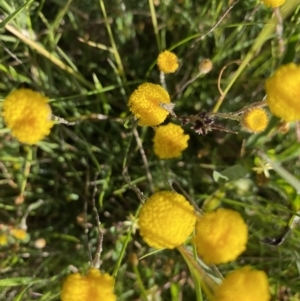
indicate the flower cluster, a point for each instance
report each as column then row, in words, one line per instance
column 28, row 115
column 92, row 286
column 166, row 220
column 169, row 141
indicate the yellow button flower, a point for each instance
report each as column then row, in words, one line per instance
column 28, row 115
column 166, row 220
column 18, row 234
column 93, row 286
column 273, row 3
column 145, row 102
column 255, row 120
column 167, row 62
column 283, row 90
column 244, row 284
column 221, row 236
column 169, row 141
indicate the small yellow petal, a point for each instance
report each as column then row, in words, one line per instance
column 18, row 234
column 3, row 240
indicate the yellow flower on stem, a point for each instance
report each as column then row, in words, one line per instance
column 167, row 62
column 255, row 120
column 93, row 286
column 28, row 115
column 169, row 141
column 221, row 236
column 283, row 90
column 244, row 284
column 166, row 220
column 273, row 3
column 145, row 103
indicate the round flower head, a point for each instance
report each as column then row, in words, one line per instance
column 18, row 233
column 283, row 90
column 92, row 286
column 221, row 236
column 166, row 220
column 273, row 3
column 255, row 120
column 167, row 62
column 145, row 103
column 169, row 141
column 28, row 115
column 244, row 284
column 205, row 66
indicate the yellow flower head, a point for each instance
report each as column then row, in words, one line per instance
column 28, row 115
column 145, row 102
column 169, row 141
column 18, row 234
column 244, row 284
column 221, row 236
column 167, row 62
column 166, row 220
column 255, row 120
column 93, row 286
column 283, row 90
column 3, row 240
column 273, row 3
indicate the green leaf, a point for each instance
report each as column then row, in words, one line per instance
column 15, row 13
column 233, row 173
column 218, row 177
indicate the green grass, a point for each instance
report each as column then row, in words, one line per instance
column 88, row 57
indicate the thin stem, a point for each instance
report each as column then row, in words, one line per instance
column 144, row 158
column 154, row 22
column 113, row 44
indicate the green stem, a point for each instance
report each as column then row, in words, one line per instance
column 154, row 22
column 26, row 169
column 127, row 240
column 207, row 283
column 113, row 44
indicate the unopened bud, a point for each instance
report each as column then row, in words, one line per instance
column 205, row 66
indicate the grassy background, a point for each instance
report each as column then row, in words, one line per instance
column 64, row 50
